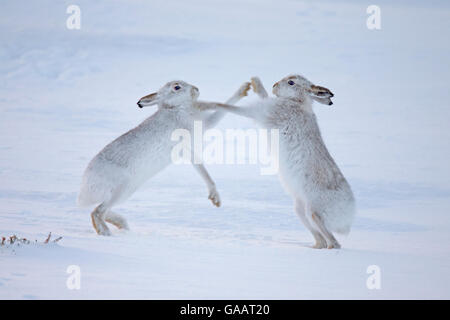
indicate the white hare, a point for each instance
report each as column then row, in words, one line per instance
column 118, row 170
column 323, row 199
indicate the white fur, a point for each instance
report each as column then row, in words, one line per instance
column 323, row 198
column 118, row 170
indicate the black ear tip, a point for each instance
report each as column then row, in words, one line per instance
column 139, row 105
column 331, row 103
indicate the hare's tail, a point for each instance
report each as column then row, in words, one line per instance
column 89, row 195
column 341, row 217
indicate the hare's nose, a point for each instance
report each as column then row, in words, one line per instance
column 275, row 84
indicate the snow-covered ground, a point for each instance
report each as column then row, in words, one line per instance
column 65, row 93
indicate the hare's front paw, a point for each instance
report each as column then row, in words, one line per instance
column 257, row 84
column 214, row 197
column 244, row 89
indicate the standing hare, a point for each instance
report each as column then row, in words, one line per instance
column 323, row 199
column 117, row 171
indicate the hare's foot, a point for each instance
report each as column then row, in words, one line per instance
column 214, row 197
column 100, row 226
column 318, row 245
column 320, row 240
column 335, row 245
column 244, row 89
column 258, row 87
column 256, row 84
column 98, row 222
column 321, row 243
column 331, row 241
column 117, row 220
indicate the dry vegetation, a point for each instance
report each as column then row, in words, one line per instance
column 17, row 241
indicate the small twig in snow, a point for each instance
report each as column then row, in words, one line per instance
column 48, row 238
column 57, row 239
column 15, row 240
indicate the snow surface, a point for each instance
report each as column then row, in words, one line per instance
column 65, row 93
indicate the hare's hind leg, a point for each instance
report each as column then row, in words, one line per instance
column 320, row 240
column 98, row 220
column 332, row 243
column 117, row 220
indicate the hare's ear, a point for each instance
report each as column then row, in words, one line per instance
column 148, row 100
column 326, row 101
column 320, row 92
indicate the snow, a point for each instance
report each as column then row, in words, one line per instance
column 65, row 93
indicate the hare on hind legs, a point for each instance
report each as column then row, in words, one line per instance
column 323, row 199
column 118, row 170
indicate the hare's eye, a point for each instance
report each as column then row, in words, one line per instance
column 291, row 82
column 177, row 87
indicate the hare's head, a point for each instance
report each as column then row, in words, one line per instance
column 174, row 93
column 297, row 87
